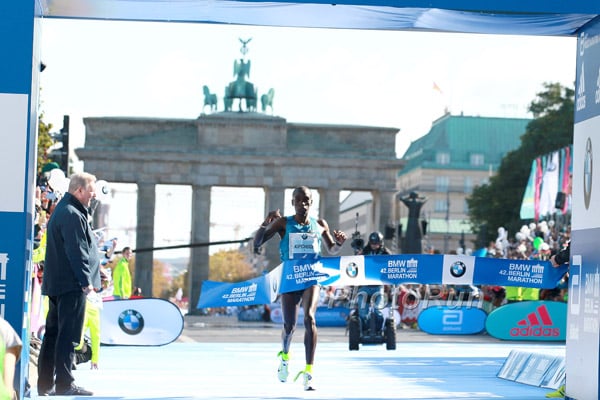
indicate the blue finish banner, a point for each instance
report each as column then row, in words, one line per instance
column 377, row 270
column 221, row 294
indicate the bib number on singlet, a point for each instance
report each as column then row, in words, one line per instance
column 303, row 245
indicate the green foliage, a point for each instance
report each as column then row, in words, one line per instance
column 44, row 142
column 229, row 266
column 499, row 203
column 161, row 281
column 179, row 281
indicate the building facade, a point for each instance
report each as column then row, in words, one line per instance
column 456, row 155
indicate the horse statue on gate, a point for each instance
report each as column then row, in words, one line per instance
column 210, row 99
column 227, row 101
column 251, row 101
column 266, row 100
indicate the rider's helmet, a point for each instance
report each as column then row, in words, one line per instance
column 376, row 238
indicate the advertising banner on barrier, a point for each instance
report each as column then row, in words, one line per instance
column 529, row 320
column 446, row 320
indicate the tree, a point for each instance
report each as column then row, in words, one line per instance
column 44, row 141
column 161, row 280
column 229, row 266
column 498, row 203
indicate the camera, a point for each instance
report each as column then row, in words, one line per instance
column 357, row 242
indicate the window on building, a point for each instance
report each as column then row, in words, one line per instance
column 441, row 183
column 477, row 159
column 468, row 184
column 442, row 158
column 441, row 205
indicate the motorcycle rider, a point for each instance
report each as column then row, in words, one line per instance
column 372, row 295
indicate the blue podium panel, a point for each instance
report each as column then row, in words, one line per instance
column 19, row 73
column 582, row 361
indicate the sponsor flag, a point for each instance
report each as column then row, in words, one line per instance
column 566, row 168
column 549, row 174
column 528, row 203
column 549, row 187
column 539, row 172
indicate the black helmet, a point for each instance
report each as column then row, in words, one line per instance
column 375, row 238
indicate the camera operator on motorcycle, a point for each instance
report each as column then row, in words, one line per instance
column 372, row 296
column 375, row 245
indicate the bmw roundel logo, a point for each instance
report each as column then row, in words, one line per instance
column 352, row 270
column 304, row 236
column 588, row 167
column 458, row 269
column 131, row 322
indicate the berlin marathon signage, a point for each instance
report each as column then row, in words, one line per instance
column 381, row 269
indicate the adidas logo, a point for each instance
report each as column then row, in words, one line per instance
column 537, row 323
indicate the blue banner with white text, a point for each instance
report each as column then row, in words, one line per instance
column 381, row 270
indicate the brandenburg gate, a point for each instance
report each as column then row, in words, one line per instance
column 238, row 149
column 242, row 148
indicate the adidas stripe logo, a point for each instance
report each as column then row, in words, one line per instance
column 537, row 323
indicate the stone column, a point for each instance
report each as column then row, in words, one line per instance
column 199, row 267
column 387, row 209
column 329, row 207
column 274, row 199
column 384, row 215
column 146, row 204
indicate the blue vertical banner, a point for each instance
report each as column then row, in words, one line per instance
column 19, row 73
column 583, row 330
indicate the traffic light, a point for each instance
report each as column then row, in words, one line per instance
column 389, row 232
column 60, row 151
column 424, row 227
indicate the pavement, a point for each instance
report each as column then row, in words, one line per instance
column 222, row 358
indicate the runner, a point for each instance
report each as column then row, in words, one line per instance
column 301, row 237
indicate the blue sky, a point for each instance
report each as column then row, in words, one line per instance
column 375, row 78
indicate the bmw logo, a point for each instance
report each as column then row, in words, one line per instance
column 352, row 270
column 131, row 322
column 588, row 167
column 304, row 236
column 458, row 269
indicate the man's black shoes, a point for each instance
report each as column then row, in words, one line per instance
column 47, row 392
column 74, row 391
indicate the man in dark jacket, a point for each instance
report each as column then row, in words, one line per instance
column 71, row 271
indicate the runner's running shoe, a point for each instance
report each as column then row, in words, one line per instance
column 558, row 394
column 282, row 371
column 307, row 380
